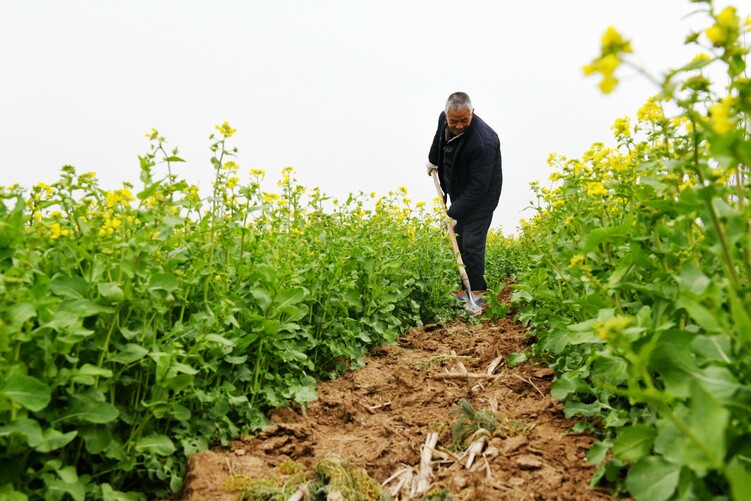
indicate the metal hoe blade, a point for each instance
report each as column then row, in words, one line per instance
column 470, row 301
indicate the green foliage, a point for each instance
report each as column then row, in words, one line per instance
column 139, row 326
column 468, row 422
column 639, row 287
column 504, row 257
column 333, row 477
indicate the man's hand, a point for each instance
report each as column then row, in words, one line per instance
column 430, row 168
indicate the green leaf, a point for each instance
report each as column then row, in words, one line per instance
column 697, row 64
column 609, row 368
column 27, row 428
column 575, row 408
column 719, row 382
column 673, row 360
column 67, row 483
column 515, row 359
column 96, row 437
column 88, row 373
column 19, row 313
column 693, row 280
column 89, row 411
column 129, row 353
column 739, row 478
column 158, row 444
column 709, row 423
column 699, row 313
column 111, row 291
column 653, row 479
column 164, row 282
column 69, row 287
column 8, row 493
column 715, row 348
column 566, row 384
column 84, row 307
column 262, row 298
column 54, row 439
column 27, row 391
column 11, row 226
column 599, row 235
column 741, row 319
column 598, row 451
column 216, row 338
column 634, row 443
column 110, row 494
column 303, row 394
column 150, row 190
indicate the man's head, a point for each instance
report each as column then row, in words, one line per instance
column 459, row 112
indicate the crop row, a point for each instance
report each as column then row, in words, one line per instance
column 639, row 293
column 137, row 328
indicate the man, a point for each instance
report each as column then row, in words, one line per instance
column 467, row 154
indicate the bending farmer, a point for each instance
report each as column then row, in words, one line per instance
column 467, row 154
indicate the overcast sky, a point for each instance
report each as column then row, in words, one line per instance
column 347, row 92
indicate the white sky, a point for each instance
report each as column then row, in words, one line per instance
column 347, row 92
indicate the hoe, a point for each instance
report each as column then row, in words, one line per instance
column 467, row 297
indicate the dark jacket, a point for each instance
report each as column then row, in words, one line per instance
column 476, row 176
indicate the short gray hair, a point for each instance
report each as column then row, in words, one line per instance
column 458, row 101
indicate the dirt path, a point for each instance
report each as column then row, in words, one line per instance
column 378, row 417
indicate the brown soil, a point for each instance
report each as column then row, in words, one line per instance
column 378, row 417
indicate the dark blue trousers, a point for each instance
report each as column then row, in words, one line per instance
column 472, row 236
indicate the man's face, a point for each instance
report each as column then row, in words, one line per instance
column 458, row 121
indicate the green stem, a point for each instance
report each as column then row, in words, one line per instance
column 678, row 422
column 735, row 282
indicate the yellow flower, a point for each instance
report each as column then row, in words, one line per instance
column 613, row 42
column 606, row 65
column 111, row 199
column 728, row 18
column 596, row 189
column 232, row 182
column 650, row 111
column 720, row 116
column 622, row 127
column 44, row 187
column 576, row 261
column 716, row 35
column 257, row 172
column 125, row 196
column 231, row 165
column 270, row 197
column 727, row 28
column 612, row 46
column 152, row 134
column 701, row 56
column 606, row 329
column 217, row 278
column 225, row 129
column 620, row 163
column 555, row 176
column 56, row 231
